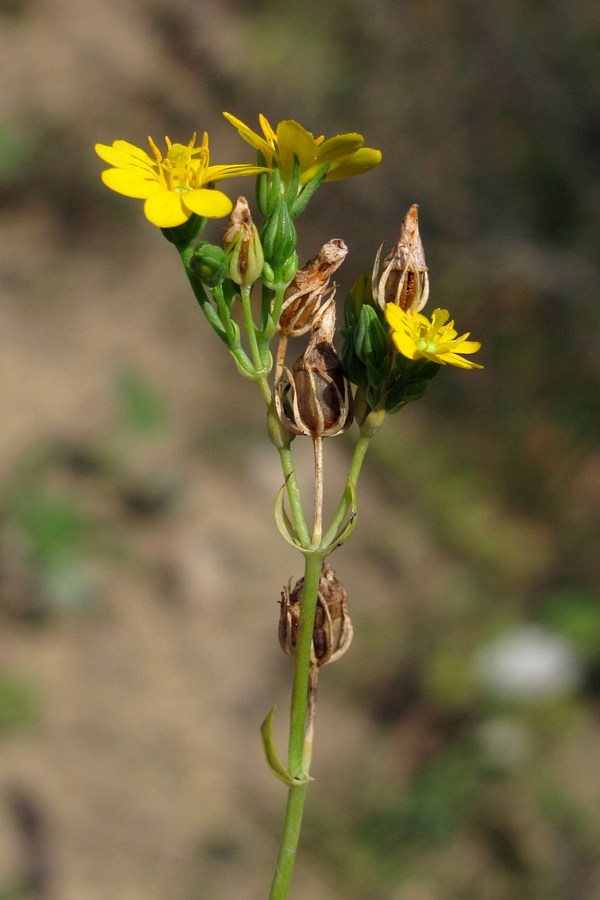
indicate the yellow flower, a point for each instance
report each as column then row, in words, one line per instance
column 415, row 337
column 174, row 186
column 345, row 152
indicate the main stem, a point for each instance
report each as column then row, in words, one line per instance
column 299, row 753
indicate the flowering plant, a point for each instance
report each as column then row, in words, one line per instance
column 390, row 352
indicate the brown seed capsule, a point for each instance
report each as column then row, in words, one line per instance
column 309, row 288
column 332, row 630
column 402, row 277
column 314, row 399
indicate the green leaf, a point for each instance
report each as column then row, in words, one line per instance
column 273, row 759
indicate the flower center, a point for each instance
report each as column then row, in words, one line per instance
column 182, row 167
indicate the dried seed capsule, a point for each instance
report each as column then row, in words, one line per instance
column 402, row 277
column 309, row 288
column 332, row 630
column 314, row 399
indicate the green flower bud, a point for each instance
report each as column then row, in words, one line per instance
column 242, row 245
column 366, row 351
column 209, row 263
column 279, row 236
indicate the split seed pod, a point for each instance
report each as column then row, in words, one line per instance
column 401, row 277
column 310, row 287
column 332, row 631
column 314, row 399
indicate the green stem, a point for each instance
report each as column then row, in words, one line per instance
column 284, row 866
column 245, row 292
column 293, row 492
column 298, row 756
column 261, row 371
column 310, row 590
column 355, row 466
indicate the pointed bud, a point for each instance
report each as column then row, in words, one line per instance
column 309, row 288
column 402, row 277
column 314, row 399
column 279, row 236
column 332, row 630
column 243, row 246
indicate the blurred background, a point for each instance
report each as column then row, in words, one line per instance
column 458, row 743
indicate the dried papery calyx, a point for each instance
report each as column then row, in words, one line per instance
column 401, row 277
column 242, row 245
column 310, row 288
column 314, row 399
column 332, row 630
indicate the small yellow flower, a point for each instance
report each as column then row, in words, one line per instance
column 174, row 186
column 415, row 337
column 345, row 152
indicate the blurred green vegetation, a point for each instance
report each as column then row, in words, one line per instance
column 19, row 705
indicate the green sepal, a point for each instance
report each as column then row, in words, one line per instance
column 263, row 181
column 292, row 189
column 371, row 340
column 410, row 381
column 268, row 276
column 400, row 394
column 184, row 234
column 271, row 755
column 308, row 191
column 415, row 369
column 269, row 188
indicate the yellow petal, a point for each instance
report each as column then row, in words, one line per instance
column 123, row 155
column 467, row 347
column 359, row 162
column 405, row 345
column 395, row 316
column 266, row 127
column 255, row 140
column 205, row 202
column 217, row 173
column 165, row 209
column 294, row 140
column 340, row 147
column 131, row 183
column 455, row 360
